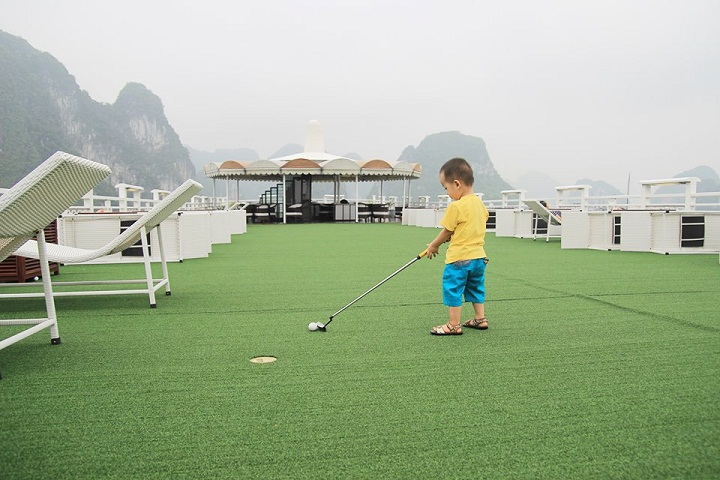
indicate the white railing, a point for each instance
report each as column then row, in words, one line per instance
column 129, row 199
column 573, row 197
column 577, row 197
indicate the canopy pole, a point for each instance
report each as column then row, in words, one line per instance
column 227, row 193
column 284, row 192
column 357, row 199
column 214, row 195
column 404, row 192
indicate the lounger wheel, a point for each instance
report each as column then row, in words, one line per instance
column 55, row 341
column 153, row 305
column 167, row 294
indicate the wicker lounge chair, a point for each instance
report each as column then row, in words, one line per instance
column 137, row 231
column 30, row 205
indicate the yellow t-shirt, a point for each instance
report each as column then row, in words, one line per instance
column 466, row 218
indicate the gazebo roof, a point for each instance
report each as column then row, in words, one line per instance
column 344, row 168
column 313, row 161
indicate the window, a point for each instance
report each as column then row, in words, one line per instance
column 616, row 229
column 136, row 249
column 491, row 220
column 692, row 231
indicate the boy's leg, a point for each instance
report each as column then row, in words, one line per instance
column 453, row 284
column 453, row 326
column 455, row 314
column 478, row 322
column 454, row 280
column 479, row 310
column 475, row 293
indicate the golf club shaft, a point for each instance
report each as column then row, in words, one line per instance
column 418, row 257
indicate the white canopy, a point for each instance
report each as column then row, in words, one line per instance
column 324, row 167
column 345, row 168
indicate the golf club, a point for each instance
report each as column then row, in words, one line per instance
column 323, row 328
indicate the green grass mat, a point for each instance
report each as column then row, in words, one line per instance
column 596, row 365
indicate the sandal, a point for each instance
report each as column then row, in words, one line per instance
column 477, row 323
column 452, row 330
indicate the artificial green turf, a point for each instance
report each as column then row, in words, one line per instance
column 596, row 365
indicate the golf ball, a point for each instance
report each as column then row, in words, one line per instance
column 312, row 326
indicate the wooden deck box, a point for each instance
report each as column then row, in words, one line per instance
column 16, row 269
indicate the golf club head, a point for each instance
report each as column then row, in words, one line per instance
column 322, row 327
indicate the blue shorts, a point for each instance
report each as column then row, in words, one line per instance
column 464, row 278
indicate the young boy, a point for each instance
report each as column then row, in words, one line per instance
column 465, row 260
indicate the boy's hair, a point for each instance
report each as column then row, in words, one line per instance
column 458, row 169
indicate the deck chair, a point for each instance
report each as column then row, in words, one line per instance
column 380, row 212
column 30, row 205
column 552, row 219
column 294, row 211
column 264, row 212
column 363, row 211
column 137, row 231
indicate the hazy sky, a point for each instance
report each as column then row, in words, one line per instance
column 598, row 89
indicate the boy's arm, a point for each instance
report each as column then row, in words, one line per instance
column 434, row 246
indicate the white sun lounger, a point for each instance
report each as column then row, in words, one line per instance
column 553, row 220
column 138, row 230
column 28, row 207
